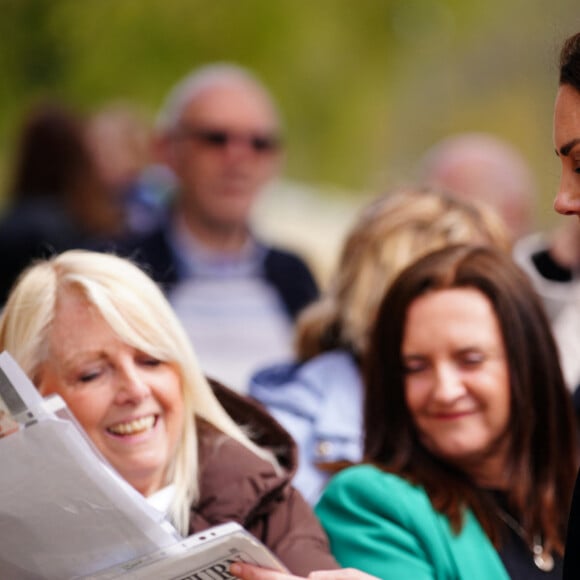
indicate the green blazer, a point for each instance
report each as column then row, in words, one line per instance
column 381, row 524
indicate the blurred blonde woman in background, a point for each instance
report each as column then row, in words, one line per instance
column 318, row 398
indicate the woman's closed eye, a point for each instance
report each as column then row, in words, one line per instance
column 148, row 361
column 414, row 365
column 89, row 376
column 471, row 358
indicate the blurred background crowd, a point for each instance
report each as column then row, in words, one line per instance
column 364, row 90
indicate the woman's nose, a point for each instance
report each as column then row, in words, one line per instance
column 448, row 384
column 567, row 200
column 131, row 387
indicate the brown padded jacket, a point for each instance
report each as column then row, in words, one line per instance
column 237, row 485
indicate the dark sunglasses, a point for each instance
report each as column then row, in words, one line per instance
column 220, row 139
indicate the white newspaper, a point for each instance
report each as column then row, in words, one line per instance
column 65, row 513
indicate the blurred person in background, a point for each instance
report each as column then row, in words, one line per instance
column 56, row 198
column 483, row 166
column 120, row 138
column 220, row 134
column 319, row 397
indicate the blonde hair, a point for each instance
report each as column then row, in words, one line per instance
column 390, row 233
column 135, row 308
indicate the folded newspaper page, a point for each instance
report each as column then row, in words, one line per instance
column 66, row 514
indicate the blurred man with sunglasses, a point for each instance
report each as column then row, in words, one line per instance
column 220, row 134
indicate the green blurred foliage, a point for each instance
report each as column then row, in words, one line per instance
column 365, row 87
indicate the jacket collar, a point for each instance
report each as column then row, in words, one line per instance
column 235, row 483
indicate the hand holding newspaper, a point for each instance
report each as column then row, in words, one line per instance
column 65, row 513
column 207, row 555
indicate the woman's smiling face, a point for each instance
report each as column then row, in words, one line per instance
column 129, row 403
column 457, row 385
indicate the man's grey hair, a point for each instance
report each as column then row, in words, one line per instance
column 200, row 79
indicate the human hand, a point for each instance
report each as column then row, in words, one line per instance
column 250, row 572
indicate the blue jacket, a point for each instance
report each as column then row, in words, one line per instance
column 320, row 403
column 380, row 523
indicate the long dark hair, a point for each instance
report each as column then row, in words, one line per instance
column 542, row 456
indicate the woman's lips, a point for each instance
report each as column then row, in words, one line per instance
column 133, row 427
column 449, row 416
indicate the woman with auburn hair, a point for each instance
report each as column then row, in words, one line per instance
column 318, row 398
column 470, row 448
column 95, row 329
